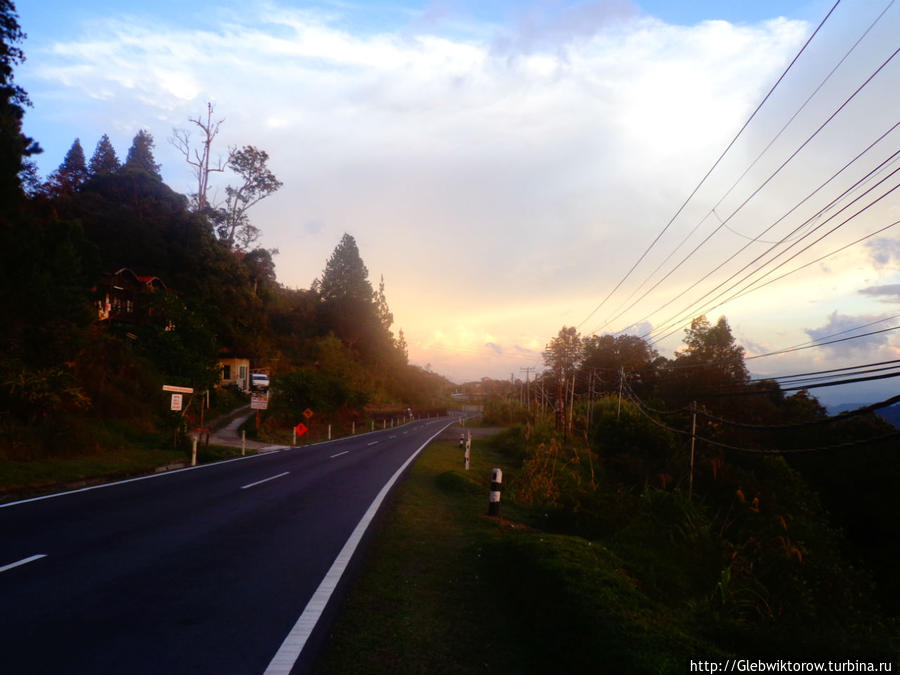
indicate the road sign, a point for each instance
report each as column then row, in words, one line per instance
column 176, row 402
column 301, row 429
column 178, row 390
column 258, row 402
column 308, row 413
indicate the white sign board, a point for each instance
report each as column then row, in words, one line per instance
column 259, row 402
column 176, row 402
column 180, row 390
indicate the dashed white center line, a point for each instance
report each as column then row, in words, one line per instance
column 264, row 480
column 23, row 561
column 339, row 454
column 373, row 443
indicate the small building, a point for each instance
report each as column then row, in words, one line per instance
column 234, row 370
column 123, row 295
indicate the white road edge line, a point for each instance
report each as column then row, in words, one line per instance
column 373, row 443
column 264, row 480
column 339, row 454
column 293, row 644
column 23, row 561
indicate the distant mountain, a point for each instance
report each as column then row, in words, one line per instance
column 890, row 414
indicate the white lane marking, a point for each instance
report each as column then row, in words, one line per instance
column 293, row 644
column 339, row 454
column 264, row 480
column 23, row 561
column 392, row 437
column 374, row 443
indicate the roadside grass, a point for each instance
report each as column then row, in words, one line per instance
column 445, row 589
column 23, row 479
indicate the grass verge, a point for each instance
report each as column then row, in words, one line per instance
column 448, row 590
column 20, row 480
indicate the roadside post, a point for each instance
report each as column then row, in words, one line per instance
column 496, row 488
column 468, row 449
column 195, row 435
column 243, row 442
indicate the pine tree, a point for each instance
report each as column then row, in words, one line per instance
column 104, row 161
column 71, row 174
column 140, row 154
column 15, row 147
column 345, row 275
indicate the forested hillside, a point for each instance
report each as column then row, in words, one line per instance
column 82, row 350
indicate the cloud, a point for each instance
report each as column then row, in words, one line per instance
column 497, row 349
column 842, row 326
column 887, row 293
column 884, row 252
column 508, row 173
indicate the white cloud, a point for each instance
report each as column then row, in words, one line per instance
column 509, row 176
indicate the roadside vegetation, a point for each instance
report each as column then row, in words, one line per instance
column 642, row 527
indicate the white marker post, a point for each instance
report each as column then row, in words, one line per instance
column 468, row 449
column 194, row 450
column 496, row 487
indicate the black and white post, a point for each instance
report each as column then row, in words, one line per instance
column 468, row 449
column 496, row 487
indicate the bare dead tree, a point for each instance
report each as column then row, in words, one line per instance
column 199, row 157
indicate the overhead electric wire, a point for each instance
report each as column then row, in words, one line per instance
column 758, row 451
column 790, row 158
column 752, row 285
column 780, row 378
column 747, row 170
column 712, row 168
column 678, row 316
column 817, row 342
column 796, row 113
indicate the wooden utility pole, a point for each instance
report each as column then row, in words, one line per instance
column 621, row 382
column 693, row 442
column 528, row 372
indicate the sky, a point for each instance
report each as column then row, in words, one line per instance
column 504, row 165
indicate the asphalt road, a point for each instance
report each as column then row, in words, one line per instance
column 204, row 570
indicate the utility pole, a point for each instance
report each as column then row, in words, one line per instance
column 693, row 441
column 528, row 372
column 621, row 382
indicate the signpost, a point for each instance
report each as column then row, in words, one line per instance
column 299, row 430
column 176, row 402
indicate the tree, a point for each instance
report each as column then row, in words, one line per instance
column 563, row 356
column 711, row 364
column 249, row 163
column 15, row 147
column 71, row 174
column 200, row 158
column 104, row 160
column 605, row 355
column 345, row 275
column 140, row 154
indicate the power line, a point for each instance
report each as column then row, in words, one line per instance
column 790, row 158
column 715, row 164
column 747, row 170
column 817, row 342
column 678, row 316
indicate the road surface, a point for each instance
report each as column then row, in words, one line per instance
column 204, row 570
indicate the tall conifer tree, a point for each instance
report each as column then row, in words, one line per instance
column 72, row 173
column 140, row 154
column 15, row 147
column 104, row 161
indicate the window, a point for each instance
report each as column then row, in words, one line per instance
column 226, row 372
